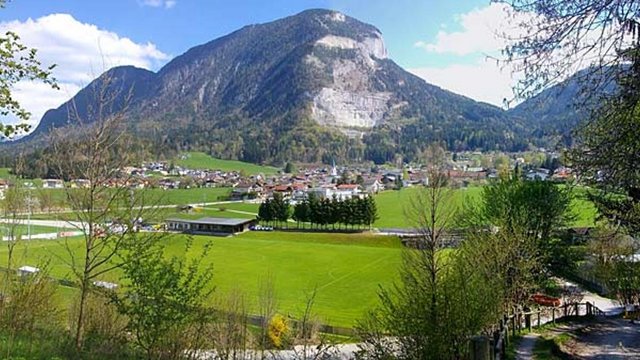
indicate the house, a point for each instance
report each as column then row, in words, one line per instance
column 52, row 184
column 347, row 191
column 169, row 183
column 538, row 174
column 210, row 226
column 27, row 270
column 341, row 192
column 246, row 191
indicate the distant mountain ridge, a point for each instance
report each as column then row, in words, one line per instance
column 310, row 87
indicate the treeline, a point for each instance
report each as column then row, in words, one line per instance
column 339, row 214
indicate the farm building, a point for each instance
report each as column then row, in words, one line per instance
column 210, row 226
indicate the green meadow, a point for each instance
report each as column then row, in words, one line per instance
column 394, row 206
column 344, row 269
column 202, row 161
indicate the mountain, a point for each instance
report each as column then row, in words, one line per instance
column 310, row 87
column 555, row 112
column 136, row 83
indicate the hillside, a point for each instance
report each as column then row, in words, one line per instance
column 310, row 87
column 198, row 160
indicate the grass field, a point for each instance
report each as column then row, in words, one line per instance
column 4, row 173
column 198, row 160
column 346, row 269
column 393, row 206
column 188, row 196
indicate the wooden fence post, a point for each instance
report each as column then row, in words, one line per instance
column 505, row 323
column 577, row 309
column 553, row 315
column 539, row 318
column 480, row 348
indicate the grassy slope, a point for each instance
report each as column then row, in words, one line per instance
column 198, row 160
column 346, row 269
column 188, row 196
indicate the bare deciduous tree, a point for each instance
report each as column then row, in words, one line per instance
column 557, row 38
column 96, row 150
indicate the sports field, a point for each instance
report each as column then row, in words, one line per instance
column 345, row 269
column 393, row 205
column 199, row 160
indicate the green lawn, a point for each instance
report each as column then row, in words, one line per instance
column 198, row 160
column 393, row 206
column 345, row 269
column 188, row 196
column 4, row 173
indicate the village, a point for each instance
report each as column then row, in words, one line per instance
column 324, row 181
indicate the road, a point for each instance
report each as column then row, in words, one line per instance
column 608, row 306
column 607, row 339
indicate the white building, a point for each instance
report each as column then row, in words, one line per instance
column 341, row 192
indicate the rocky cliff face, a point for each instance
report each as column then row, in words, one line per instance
column 349, row 99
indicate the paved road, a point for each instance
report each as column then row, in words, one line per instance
column 525, row 346
column 608, row 339
column 608, row 306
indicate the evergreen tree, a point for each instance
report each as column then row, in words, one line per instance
column 314, row 209
column 301, row 212
column 280, row 208
column 265, row 211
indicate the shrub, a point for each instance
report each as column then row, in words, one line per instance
column 278, row 330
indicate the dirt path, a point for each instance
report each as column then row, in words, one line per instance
column 607, row 339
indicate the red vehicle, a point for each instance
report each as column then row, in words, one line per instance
column 545, row 300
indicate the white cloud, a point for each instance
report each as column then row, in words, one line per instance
column 81, row 52
column 167, row 4
column 484, row 81
column 482, row 30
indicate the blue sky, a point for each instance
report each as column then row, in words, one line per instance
column 445, row 42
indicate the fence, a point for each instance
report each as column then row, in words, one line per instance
column 494, row 348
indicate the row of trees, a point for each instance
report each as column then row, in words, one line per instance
column 321, row 213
